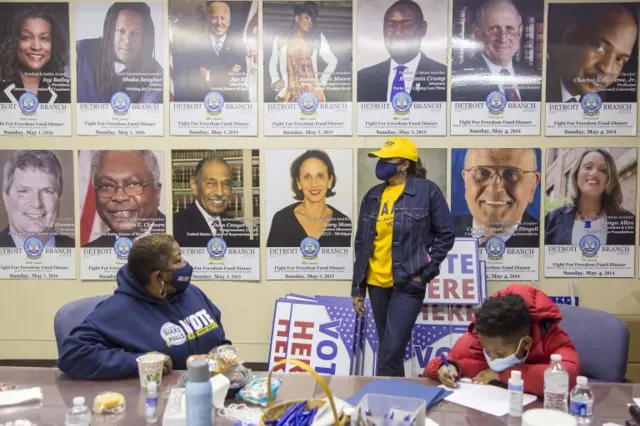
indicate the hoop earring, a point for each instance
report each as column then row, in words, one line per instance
column 404, row 173
column 163, row 291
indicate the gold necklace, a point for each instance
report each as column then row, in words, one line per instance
column 315, row 219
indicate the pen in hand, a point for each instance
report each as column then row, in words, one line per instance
column 445, row 362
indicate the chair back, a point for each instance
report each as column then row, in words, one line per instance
column 601, row 340
column 71, row 315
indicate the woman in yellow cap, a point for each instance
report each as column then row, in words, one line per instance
column 404, row 233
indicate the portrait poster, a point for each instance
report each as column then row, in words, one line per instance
column 37, row 240
column 590, row 212
column 495, row 198
column 213, row 67
column 120, row 60
column 402, row 71
column 592, row 69
column 496, row 58
column 122, row 196
column 216, row 212
column 307, row 68
column 35, row 88
column 309, row 214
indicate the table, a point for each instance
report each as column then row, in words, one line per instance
column 610, row 399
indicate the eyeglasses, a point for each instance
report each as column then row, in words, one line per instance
column 509, row 175
column 510, row 32
column 132, row 189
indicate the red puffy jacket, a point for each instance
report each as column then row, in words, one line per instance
column 468, row 356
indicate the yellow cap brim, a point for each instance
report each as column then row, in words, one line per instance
column 378, row 154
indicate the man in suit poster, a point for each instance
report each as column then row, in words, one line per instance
column 495, row 197
column 496, row 81
column 216, row 212
column 35, row 88
column 592, row 69
column 119, row 50
column 122, row 198
column 307, row 73
column 213, row 47
column 37, row 236
column 402, row 79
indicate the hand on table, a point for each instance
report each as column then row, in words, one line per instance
column 448, row 378
column 485, row 377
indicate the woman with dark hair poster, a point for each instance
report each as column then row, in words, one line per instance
column 119, row 64
column 308, row 48
column 311, row 227
column 34, row 70
column 590, row 228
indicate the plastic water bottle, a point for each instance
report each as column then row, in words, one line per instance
column 79, row 414
column 556, row 385
column 582, row 401
column 151, row 403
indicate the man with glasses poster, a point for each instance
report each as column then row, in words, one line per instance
column 126, row 194
column 495, row 198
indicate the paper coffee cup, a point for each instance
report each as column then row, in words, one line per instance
column 150, row 368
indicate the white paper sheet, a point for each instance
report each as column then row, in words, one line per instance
column 486, row 398
column 637, row 401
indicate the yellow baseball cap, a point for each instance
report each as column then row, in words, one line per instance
column 397, row 147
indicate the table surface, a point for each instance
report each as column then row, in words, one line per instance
column 610, row 399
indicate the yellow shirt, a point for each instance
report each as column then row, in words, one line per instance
column 379, row 271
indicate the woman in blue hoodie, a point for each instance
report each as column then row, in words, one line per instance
column 154, row 309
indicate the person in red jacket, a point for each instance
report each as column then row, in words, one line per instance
column 515, row 329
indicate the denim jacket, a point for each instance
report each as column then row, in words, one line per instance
column 422, row 233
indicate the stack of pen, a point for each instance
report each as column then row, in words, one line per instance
column 296, row 415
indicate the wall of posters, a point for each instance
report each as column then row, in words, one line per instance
column 37, row 237
column 307, row 68
column 120, row 55
column 121, row 197
column 496, row 67
column 35, row 90
column 590, row 212
column 495, row 197
column 402, row 76
column 592, row 70
column 309, row 213
column 213, row 67
column 216, row 212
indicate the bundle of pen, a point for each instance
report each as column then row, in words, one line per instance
column 392, row 418
column 296, row 415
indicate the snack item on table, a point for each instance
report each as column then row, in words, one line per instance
column 227, row 358
column 109, row 403
column 255, row 391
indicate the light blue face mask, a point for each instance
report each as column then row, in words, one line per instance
column 500, row 364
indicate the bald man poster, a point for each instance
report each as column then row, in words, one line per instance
column 496, row 60
column 495, row 197
column 308, row 58
column 213, row 49
column 402, row 72
column 592, row 69
column 120, row 61
column 216, row 212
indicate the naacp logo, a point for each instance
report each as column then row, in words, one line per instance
column 591, row 103
column 173, row 334
column 33, row 247
column 217, row 248
column 28, row 103
column 496, row 102
column 214, row 102
column 122, row 247
column 308, row 102
column 495, row 248
column 401, row 102
column 310, row 247
column 120, row 102
column 589, row 245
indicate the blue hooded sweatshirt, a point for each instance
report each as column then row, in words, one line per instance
column 132, row 322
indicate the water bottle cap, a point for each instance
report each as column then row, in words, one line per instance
column 198, row 371
column 581, row 380
column 78, row 400
column 556, row 357
column 515, row 374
